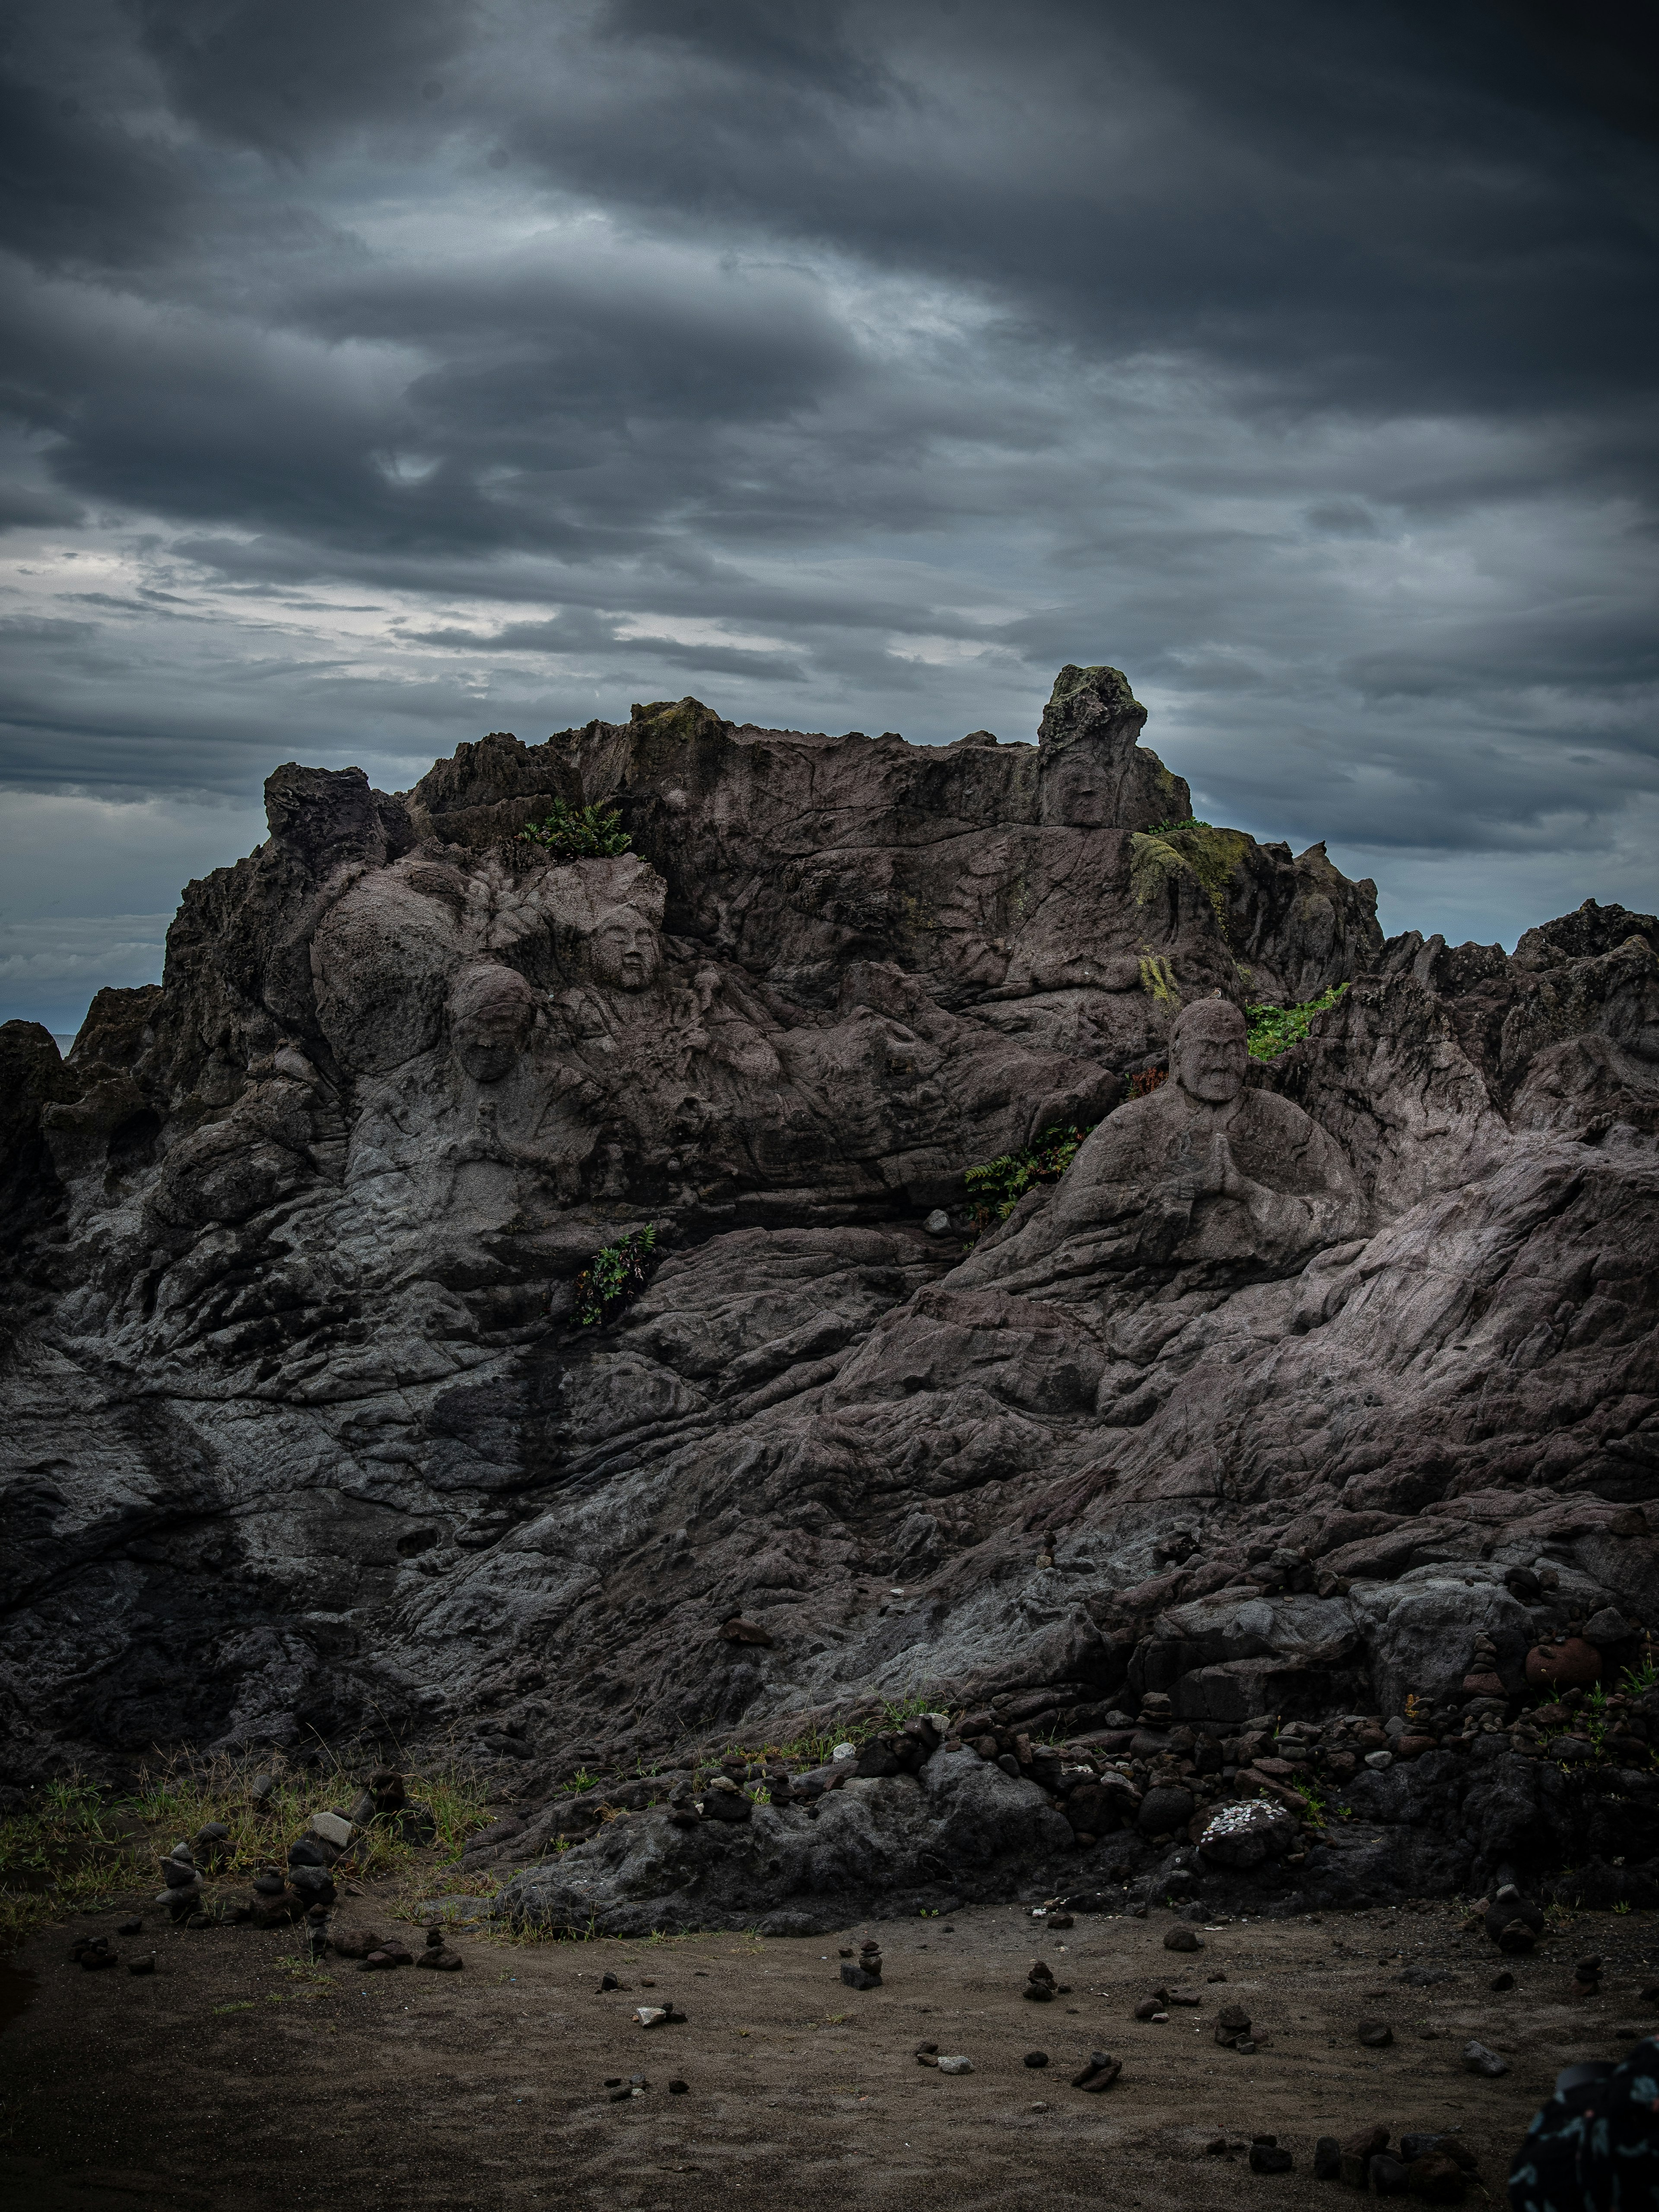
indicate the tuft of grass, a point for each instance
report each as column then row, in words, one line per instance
column 1274, row 1029
column 78, row 1847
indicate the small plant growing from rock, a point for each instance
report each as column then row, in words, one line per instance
column 578, row 833
column 998, row 1186
column 1274, row 1030
column 615, row 1274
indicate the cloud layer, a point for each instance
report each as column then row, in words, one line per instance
column 379, row 376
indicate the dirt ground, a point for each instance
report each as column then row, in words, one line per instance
column 237, row 2079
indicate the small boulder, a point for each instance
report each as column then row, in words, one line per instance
column 737, row 1631
column 1233, row 2024
column 1478, row 2059
column 1375, row 2034
column 1268, row 2156
column 1573, row 1664
column 1387, row 2176
column 1036, row 2059
column 1608, row 1626
column 955, row 2064
column 1327, row 2159
column 1436, row 2178
column 1163, row 1810
column 1356, row 2152
column 1182, row 1938
column 1101, row 2070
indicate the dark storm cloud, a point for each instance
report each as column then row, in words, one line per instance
column 371, row 376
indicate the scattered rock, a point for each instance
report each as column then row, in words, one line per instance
column 1182, row 1938
column 1478, row 2059
column 956, row 2065
column 1356, row 2152
column 133, row 1927
column 1232, row 2022
column 1327, row 2159
column 331, row 1828
column 678, row 2088
column 1101, row 2070
column 1387, row 2176
column 358, row 1942
column 1036, row 2059
column 1375, row 2034
column 144, row 1965
column 1269, row 2157
column 1436, row 2180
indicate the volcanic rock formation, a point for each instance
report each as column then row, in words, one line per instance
column 1253, row 1410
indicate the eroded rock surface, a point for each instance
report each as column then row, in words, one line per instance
column 1253, row 1411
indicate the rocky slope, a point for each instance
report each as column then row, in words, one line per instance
column 1255, row 1411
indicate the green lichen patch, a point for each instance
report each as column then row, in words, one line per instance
column 1158, row 979
column 1213, row 856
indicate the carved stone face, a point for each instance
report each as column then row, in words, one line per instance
column 492, row 1013
column 1633, row 1021
column 1209, row 1053
column 623, row 949
column 1077, row 791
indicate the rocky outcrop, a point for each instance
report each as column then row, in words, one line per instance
column 1253, row 1411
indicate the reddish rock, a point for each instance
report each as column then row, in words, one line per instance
column 1413, row 1746
column 745, row 1631
column 1571, row 1664
column 1483, row 1685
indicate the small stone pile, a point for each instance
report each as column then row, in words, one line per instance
column 1040, row 1987
column 437, row 1955
column 863, row 1972
column 1513, row 1922
column 1232, row 2028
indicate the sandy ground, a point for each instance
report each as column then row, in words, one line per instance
column 230, row 2082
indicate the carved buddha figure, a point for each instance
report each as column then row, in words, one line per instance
column 1202, row 1169
column 492, row 1010
column 623, row 952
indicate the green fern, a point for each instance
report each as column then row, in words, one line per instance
column 998, row 1186
column 615, row 1274
column 578, row 833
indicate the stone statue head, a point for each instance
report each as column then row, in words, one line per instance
column 1208, row 1053
column 623, row 949
column 492, row 1010
column 1078, row 787
column 1633, row 1017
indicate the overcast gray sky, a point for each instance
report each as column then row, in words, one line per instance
column 379, row 375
